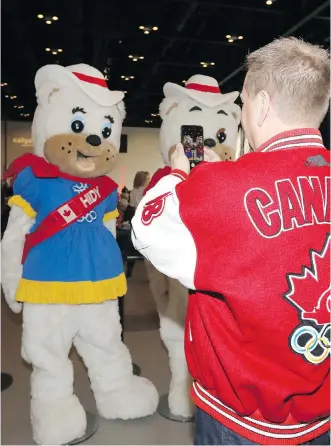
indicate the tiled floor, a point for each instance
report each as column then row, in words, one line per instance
column 143, row 340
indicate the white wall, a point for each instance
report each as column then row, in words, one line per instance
column 142, row 152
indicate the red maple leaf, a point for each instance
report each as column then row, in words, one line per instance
column 310, row 290
column 67, row 213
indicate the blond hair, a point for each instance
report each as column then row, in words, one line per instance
column 140, row 179
column 296, row 74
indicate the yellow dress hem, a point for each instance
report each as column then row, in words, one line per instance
column 71, row 293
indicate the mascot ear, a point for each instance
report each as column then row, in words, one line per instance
column 167, row 105
column 235, row 111
column 46, row 92
column 121, row 109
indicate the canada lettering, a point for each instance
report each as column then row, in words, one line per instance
column 289, row 205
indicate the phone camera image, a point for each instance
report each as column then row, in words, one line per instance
column 192, row 140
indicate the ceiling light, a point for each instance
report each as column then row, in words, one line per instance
column 141, row 57
column 207, row 64
column 55, row 18
column 146, row 31
column 49, row 22
column 54, row 52
column 141, row 27
column 228, row 36
column 155, row 28
column 130, row 57
column 125, row 92
column 60, row 50
column 212, row 63
column 268, row 2
column 134, row 60
column 184, row 82
column 40, row 16
column 230, row 40
column 15, row 106
column 6, row 96
column 240, row 37
column 4, row 84
column 48, row 49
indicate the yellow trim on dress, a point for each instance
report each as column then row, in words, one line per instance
column 71, row 293
column 110, row 216
column 26, row 207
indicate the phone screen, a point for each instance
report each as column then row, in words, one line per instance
column 192, row 140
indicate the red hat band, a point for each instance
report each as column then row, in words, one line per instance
column 91, row 80
column 203, row 88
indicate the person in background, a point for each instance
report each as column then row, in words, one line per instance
column 140, row 182
column 251, row 240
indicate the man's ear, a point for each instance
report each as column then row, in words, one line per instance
column 263, row 106
column 235, row 111
column 167, row 105
column 46, row 92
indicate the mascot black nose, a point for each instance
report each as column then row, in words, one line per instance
column 93, row 140
column 210, row 142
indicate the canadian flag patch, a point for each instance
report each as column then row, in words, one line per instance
column 67, row 213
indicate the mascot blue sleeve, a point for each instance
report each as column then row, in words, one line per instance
column 111, row 207
column 26, row 193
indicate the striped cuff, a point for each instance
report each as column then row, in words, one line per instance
column 17, row 200
column 179, row 174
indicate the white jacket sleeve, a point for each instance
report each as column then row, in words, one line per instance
column 19, row 224
column 159, row 234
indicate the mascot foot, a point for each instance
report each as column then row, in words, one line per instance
column 57, row 422
column 180, row 402
column 139, row 398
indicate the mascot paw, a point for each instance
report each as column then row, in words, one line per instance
column 180, row 402
column 57, row 422
column 139, row 398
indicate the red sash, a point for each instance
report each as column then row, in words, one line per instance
column 69, row 212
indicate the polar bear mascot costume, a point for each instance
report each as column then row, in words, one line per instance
column 200, row 102
column 61, row 261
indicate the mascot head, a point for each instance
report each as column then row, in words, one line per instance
column 200, row 102
column 78, row 121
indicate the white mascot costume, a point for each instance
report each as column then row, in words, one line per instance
column 61, row 261
column 200, row 102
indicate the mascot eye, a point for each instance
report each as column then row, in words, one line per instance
column 106, row 130
column 221, row 135
column 77, row 124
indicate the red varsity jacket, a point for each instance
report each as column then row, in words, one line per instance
column 251, row 240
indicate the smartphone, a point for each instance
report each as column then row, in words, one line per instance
column 192, row 140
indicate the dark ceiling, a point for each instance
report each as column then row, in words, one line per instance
column 104, row 33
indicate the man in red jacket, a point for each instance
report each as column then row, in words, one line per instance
column 251, row 240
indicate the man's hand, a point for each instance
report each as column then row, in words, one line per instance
column 211, row 156
column 179, row 160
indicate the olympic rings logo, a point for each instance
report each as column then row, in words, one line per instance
column 91, row 216
column 314, row 345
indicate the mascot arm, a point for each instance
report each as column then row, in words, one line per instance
column 111, row 226
column 19, row 224
column 159, row 234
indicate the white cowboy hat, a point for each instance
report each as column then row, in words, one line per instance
column 80, row 76
column 203, row 89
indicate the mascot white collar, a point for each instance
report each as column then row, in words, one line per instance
column 200, row 102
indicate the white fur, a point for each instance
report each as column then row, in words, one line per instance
column 49, row 331
column 19, row 224
column 175, row 112
column 170, row 295
column 53, row 115
column 48, row 334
